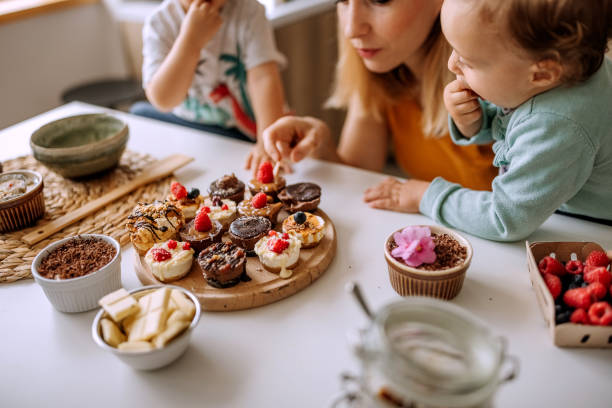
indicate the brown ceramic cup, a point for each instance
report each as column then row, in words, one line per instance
column 443, row 284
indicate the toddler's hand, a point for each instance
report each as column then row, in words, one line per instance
column 202, row 22
column 293, row 137
column 392, row 194
column 462, row 104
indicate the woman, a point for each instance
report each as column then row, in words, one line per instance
column 391, row 76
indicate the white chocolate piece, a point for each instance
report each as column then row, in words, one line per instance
column 182, row 303
column 111, row 333
column 135, row 346
column 153, row 320
column 177, row 316
column 172, row 330
column 119, row 304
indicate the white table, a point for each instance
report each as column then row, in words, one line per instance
column 290, row 353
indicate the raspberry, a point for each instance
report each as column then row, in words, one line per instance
column 186, row 246
column 579, row 316
column 597, row 291
column 277, row 245
column 265, row 173
column 577, row 298
column 574, row 267
column 259, row 200
column 285, row 236
column 597, row 258
column 548, row 264
column 160, row 254
column 554, row 284
column 206, row 209
column 224, row 207
column 599, row 274
column 271, row 233
column 202, row 222
column 178, row 190
column 600, row 314
column 172, row 244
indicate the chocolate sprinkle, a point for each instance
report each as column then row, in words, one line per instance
column 449, row 253
column 76, row 258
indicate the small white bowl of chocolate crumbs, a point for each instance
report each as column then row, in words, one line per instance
column 75, row 272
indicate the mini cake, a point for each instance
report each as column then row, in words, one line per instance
column 223, row 211
column 222, row 264
column 246, row 231
column 260, row 205
column 266, row 181
column 309, row 228
column 152, row 223
column 188, row 202
column 300, row 197
column 228, row 187
column 170, row 261
column 279, row 252
column 201, row 232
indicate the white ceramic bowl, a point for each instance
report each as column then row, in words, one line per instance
column 157, row 358
column 80, row 294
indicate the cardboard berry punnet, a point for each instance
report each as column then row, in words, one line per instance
column 565, row 334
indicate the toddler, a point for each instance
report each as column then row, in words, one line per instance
column 533, row 77
column 214, row 64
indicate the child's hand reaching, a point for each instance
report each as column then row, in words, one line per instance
column 257, row 156
column 202, row 22
column 294, row 138
column 462, row 104
column 392, row 194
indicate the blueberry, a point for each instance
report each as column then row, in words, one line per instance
column 193, row 193
column 578, row 279
column 299, row 217
column 563, row 317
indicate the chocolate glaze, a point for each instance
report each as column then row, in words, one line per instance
column 301, row 197
column 197, row 243
column 144, row 216
column 222, row 264
column 228, row 187
column 246, row 231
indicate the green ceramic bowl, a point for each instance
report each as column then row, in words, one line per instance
column 80, row 145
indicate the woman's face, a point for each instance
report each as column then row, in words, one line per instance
column 388, row 33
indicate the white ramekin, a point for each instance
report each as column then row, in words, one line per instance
column 157, row 358
column 80, row 294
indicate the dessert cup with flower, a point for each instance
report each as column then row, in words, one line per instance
column 427, row 260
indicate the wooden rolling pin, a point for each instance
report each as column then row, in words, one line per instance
column 154, row 171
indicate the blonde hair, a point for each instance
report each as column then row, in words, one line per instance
column 377, row 92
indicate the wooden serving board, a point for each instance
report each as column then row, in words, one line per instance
column 264, row 287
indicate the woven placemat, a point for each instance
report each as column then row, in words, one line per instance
column 65, row 195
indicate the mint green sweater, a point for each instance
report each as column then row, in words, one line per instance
column 556, row 151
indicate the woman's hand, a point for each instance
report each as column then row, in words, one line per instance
column 462, row 104
column 202, row 22
column 392, row 194
column 295, row 138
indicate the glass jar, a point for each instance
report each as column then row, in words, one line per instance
column 423, row 352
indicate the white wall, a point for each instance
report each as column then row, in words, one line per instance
column 42, row 56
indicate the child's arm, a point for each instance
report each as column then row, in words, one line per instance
column 266, row 93
column 169, row 85
column 549, row 159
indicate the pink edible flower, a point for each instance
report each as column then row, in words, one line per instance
column 414, row 246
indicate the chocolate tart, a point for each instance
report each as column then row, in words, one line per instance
column 200, row 240
column 271, row 189
column 300, row 197
column 222, row 264
column 228, row 187
column 246, row 231
column 270, row 210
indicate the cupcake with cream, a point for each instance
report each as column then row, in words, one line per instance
column 170, row 260
column 222, row 210
column 279, row 252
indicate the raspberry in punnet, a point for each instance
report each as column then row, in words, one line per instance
column 548, row 264
column 574, row 267
column 598, row 274
column 578, row 298
column 597, row 258
column 600, row 314
column 579, row 316
column 554, row 284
